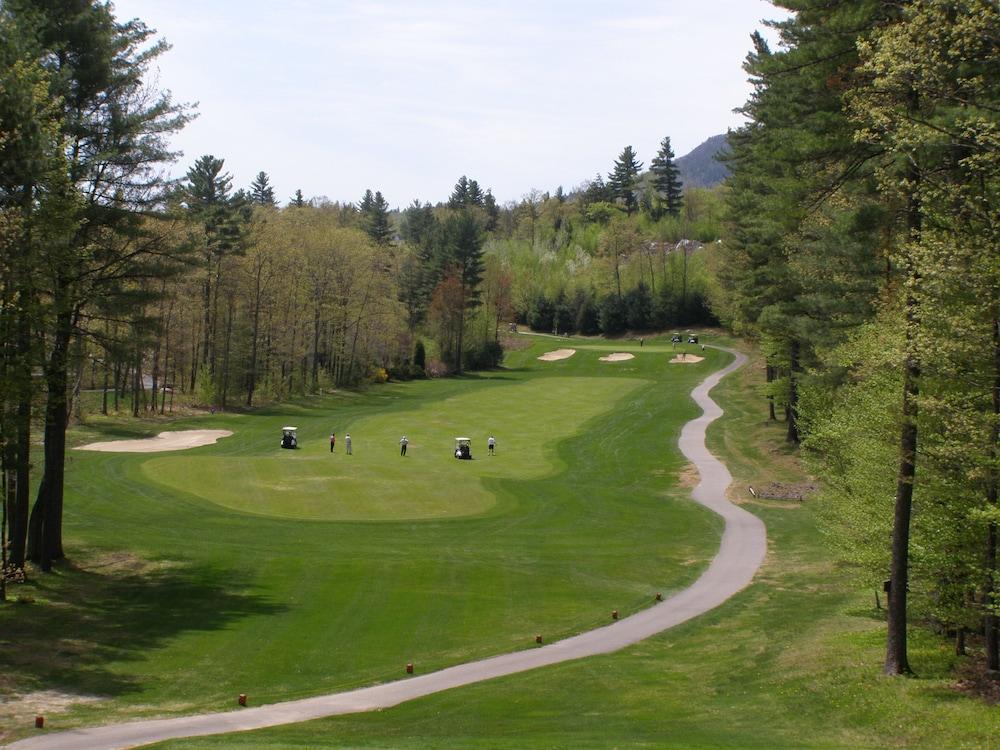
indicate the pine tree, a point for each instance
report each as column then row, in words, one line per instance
column 297, row 200
column 32, row 180
column 261, row 191
column 460, row 195
column 474, row 194
column 375, row 218
column 114, row 132
column 463, row 244
column 366, row 203
column 666, row 180
column 206, row 194
column 492, row 211
column 929, row 104
column 596, row 192
column 624, row 178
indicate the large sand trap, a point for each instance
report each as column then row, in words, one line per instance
column 687, row 359
column 617, row 357
column 165, row 441
column 557, row 354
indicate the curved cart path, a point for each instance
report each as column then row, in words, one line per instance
column 741, row 553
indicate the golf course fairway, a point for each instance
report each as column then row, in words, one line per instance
column 242, row 568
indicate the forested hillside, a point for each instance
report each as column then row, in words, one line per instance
column 862, row 250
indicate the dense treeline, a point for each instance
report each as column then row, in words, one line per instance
column 862, row 248
column 117, row 280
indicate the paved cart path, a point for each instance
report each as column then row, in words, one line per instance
column 741, row 552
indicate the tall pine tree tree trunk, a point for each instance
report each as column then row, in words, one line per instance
column 896, row 661
column 17, row 518
column 45, row 524
column 769, row 376
column 793, row 392
column 990, row 621
column 254, row 339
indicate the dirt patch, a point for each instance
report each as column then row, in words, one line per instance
column 973, row 679
column 557, row 355
column 783, row 490
column 119, row 563
column 514, row 343
column 686, row 359
column 21, row 710
column 617, row 357
column 165, row 441
column 689, row 476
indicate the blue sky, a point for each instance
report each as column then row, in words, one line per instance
column 405, row 97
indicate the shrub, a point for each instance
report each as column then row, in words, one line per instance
column 437, row 369
column 484, row 357
column 406, row 371
column 612, row 315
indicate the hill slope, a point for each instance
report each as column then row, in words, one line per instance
column 699, row 168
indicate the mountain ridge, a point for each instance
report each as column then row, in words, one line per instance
column 700, row 168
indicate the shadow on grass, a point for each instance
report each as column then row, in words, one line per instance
column 115, row 610
column 115, row 430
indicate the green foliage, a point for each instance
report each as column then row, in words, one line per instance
column 639, row 308
column 483, row 356
column 612, row 315
column 600, row 212
column 261, row 191
column 666, row 181
column 857, row 246
column 419, row 355
column 375, row 217
column 624, row 179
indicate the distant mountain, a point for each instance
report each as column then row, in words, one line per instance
column 699, row 168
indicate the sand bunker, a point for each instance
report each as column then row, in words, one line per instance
column 617, row 357
column 557, row 354
column 165, row 441
column 687, row 359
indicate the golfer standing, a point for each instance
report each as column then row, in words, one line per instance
column 402, row 445
column 333, row 440
column 347, row 444
column 492, row 443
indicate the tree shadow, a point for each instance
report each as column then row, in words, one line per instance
column 98, row 432
column 70, row 624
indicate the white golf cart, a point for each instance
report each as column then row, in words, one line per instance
column 289, row 437
column 463, row 448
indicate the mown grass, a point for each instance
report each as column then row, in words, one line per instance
column 188, row 583
column 792, row 662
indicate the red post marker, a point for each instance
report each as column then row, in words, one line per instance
column 614, row 614
column 242, row 700
column 538, row 639
column 39, row 722
column 409, row 667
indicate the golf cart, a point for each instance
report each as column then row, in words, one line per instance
column 463, row 448
column 692, row 338
column 676, row 338
column 289, row 437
